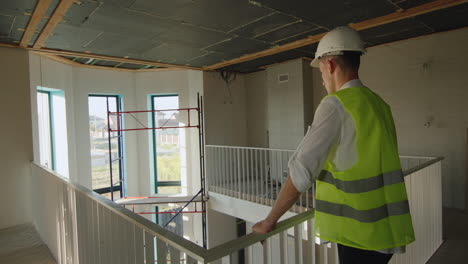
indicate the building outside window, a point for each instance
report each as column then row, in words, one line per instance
column 168, row 150
column 99, row 143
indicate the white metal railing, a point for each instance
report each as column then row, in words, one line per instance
column 253, row 174
column 80, row 226
column 256, row 175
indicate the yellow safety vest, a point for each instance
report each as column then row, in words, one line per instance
column 365, row 206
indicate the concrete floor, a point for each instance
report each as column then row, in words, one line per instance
column 455, row 247
column 22, row 245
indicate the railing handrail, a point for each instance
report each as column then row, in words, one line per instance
column 194, row 250
column 236, row 147
column 422, row 166
column 252, row 238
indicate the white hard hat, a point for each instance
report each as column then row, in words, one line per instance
column 336, row 41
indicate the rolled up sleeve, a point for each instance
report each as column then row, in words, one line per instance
column 308, row 159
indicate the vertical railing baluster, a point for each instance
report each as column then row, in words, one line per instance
column 175, row 255
column 239, row 173
column 298, row 244
column 244, row 178
column 283, row 237
column 266, row 251
column 262, row 176
column 225, row 178
column 310, row 251
column 139, row 245
column 257, row 182
column 161, row 251
column 149, row 248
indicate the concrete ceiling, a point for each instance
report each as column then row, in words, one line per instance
column 201, row 33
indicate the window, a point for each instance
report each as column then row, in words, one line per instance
column 167, row 150
column 45, row 131
column 53, row 146
column 101, row 161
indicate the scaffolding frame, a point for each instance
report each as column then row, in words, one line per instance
column 199, row 126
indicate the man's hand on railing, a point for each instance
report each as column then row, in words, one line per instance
column 286, row 198
column 263, row 227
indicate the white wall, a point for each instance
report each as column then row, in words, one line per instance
column 225, row 117
column 425, row 79
column 50, row 74
column 257, row 109
column 287, row 104
column 92, row 81
column 16, row 138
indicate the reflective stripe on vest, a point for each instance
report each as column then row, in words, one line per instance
column 363, row 185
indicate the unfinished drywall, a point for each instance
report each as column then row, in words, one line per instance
column 225, row 110
column 287, row 104
column 256, row 99
column 16, row 138
column 425, row 82
column 186, row 84
column 91, row 81
column 48, row 74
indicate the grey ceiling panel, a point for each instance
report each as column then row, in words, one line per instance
column 171, row 53
column 445, row 19
column 395, row 31
column 191, row 36
column 223, row 15
column 115, row 44
column 162, row 8
column 286, row 32
column 405, row 4
column 17, row 7
column 287, row 55
column 78, row 14
column 67, row 37
column 264, row 25
column 106, row 63
column 311, row 49
column 239, row 46
column 253, row 65
column 115, row 19
column 19, row 25
column 6, row 24
column 248, row 66
column 332, row 13
column 210, row 59
column 301, row 36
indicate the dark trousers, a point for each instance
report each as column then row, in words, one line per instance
column 349, row 255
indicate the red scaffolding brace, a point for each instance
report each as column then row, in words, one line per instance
column 198, row 125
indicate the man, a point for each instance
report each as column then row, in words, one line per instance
column 351, row 153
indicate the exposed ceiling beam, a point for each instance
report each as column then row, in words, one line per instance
column 37, row 16
column 56, row 17
column 110, row 58
column 103, row 57
column 408, row 13
column 77, row 64
column 374, row 22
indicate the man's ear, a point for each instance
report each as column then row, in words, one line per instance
column 331, row 66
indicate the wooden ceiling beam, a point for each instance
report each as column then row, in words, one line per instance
column 56, row 17
column 37, row 16
column 110, row 58
column 374, row 22
column 103, row 57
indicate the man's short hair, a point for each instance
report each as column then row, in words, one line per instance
column 349, row 60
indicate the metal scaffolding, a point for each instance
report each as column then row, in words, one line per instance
column 157, row 200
